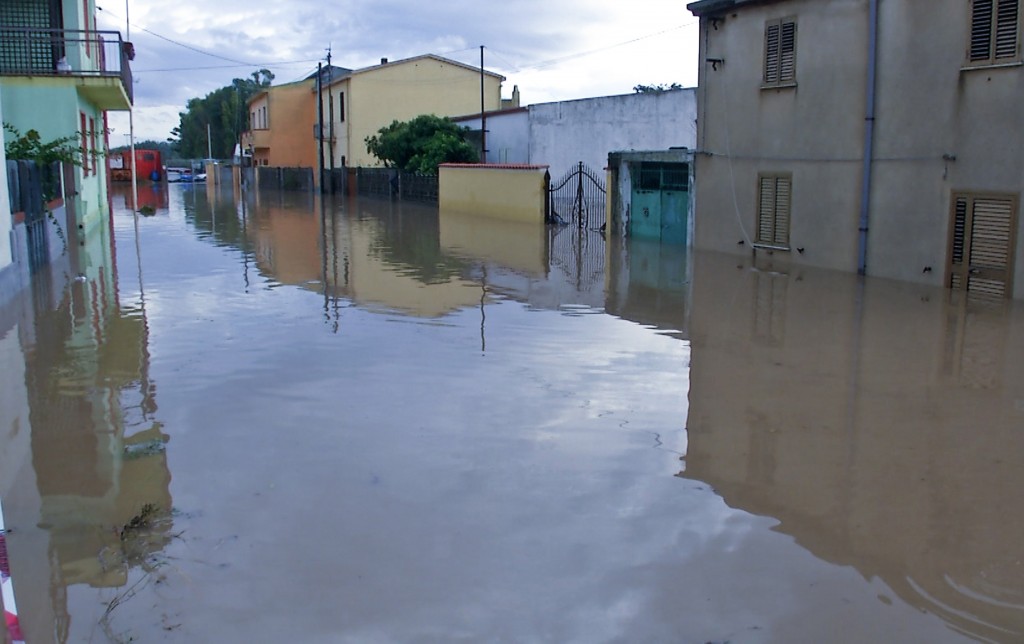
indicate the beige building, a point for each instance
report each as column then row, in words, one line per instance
column 858, row 135
column 365, row 100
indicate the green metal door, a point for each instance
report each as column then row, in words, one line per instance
column 645, row 214
column 659, row 202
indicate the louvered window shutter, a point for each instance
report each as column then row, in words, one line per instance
column 995, row 29
column 773, row 215
column 787, row 53
column 1007, row 28
column 772, row 37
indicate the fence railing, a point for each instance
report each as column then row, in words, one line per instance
column 26, row 51
column 388, row 182
column 31, row 186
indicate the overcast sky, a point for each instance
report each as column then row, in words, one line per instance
column 553, row 50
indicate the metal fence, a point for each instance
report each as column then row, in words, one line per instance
column 31, row 186
column 270, row 178
column 27, row 51
column 388, row 182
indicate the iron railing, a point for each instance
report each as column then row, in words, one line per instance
column 26, row 51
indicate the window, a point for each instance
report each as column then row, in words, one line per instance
column 995, row 32
column 341, row 106
column 982, row 240
column 92, row 141
column 780, row 52
column 85, row 145
column 773, row 210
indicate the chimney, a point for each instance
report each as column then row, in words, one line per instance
column 383, row 61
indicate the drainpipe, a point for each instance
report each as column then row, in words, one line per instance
column 869, row 138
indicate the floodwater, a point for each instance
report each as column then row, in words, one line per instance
column 262, row 420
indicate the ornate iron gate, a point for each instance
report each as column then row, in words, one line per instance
column 577, row 199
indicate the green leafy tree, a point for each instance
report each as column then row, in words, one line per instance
column 224, row 111
column 656, row 89
column 420, row 145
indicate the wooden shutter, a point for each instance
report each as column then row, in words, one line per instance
column 995, row 29
column 1006, row 29
column 787, row 53
column 772, row 38
column 990, row 233
column 773, row 212
column 780, row 51
column 981, row 243
column 957, row 265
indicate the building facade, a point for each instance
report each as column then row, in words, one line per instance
column 358, row 104
column 880, row 137
column 60, row 76
column 282, row 122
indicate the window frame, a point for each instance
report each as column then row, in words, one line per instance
column 774, row 243
column 984, row 33
column 773, row 69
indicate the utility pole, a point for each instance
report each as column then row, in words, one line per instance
column 320, row 124
column 330, row 110
column 483, row 112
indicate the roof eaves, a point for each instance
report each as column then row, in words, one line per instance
column 718, row 7
column 421, row 57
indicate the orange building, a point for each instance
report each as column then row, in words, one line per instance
column 281, row 123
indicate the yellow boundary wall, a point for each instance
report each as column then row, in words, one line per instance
column 510, row 192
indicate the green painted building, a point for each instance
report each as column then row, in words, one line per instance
column 60, row 76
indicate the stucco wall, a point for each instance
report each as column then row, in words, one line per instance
column 927, row 107
column 291, row 113
column 507, row 135
column 502, row 192
column 566, row 132
column 52, row 107
column 401, row 91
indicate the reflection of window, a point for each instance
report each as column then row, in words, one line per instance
column 995, row 30
column 773, row 210
column 780, row 52
column 770, row 308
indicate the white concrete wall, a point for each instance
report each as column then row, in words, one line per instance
column 564, row 133
column 507, row 135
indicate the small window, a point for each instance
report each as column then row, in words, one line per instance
column 774, row 202
column 995, row 32
column 780, row 52
column 149, row 157
column 341, row 106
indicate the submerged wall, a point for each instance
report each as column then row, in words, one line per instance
column 513, row 192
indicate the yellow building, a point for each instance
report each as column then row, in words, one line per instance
column 363, row 101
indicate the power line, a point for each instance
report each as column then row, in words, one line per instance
column 181, row 44
column 281, row 63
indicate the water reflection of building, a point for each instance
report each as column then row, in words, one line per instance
column 87, row 454
column 881, row 427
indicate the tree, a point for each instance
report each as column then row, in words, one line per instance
column 656, row 89
column 422, row 144
column 224, row 112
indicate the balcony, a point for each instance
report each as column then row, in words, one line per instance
column 97, row 61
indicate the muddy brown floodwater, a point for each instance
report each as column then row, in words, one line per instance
column 262, row 420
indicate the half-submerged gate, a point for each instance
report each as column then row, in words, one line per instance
column 577, row 199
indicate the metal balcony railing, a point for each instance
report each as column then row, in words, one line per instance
column 26, row 51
